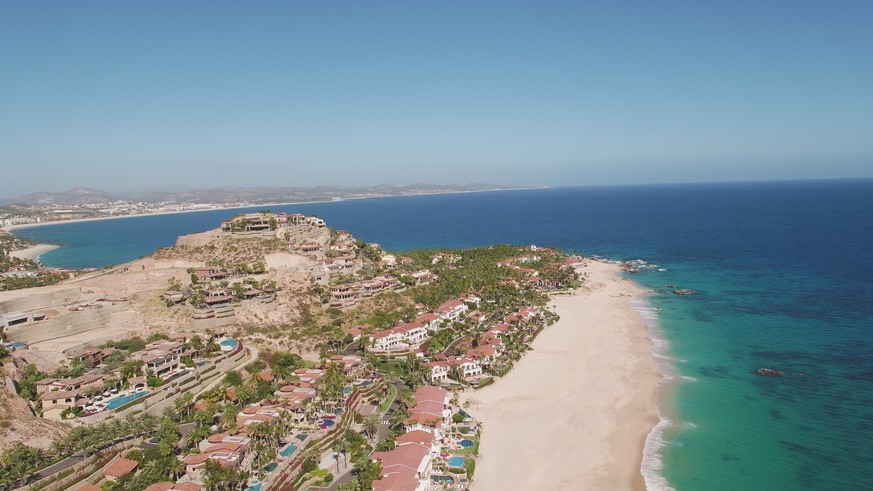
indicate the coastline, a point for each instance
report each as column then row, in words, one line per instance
column 577, row 411
column 10, row 228
column 33, row 252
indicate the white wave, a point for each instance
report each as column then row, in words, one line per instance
column 653, row 463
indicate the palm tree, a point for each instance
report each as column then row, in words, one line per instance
column 370, row 425
column 175, row 467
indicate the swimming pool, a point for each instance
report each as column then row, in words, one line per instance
column 228, row 344
column 122, row 400
column 456, row 461
column 256, row 486
column 271, row 466
column 288, row 450
column 467, row 443
column 302, row 436
column 442, row 479
column 347, row 390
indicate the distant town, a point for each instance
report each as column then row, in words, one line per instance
column 86, row 203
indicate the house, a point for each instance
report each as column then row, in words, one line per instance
column 162, row 358
column 343, row 295
column 118, row 468
column 431, row 412
column 308, row 247
column 405, row 468
column 210, row 274
column 401, row 337
column 250, row 222
column 430, row 321
column 451, row 310
column 439, row 371
column 92, row 357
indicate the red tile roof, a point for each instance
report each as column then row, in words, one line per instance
column 160, row 486
column 417, row 437
column 120, row 467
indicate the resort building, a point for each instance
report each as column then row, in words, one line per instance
column 402, row 337
column 451, row 310
column 431, row 412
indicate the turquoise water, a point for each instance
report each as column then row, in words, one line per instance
column 466, row 443
column 256, row 486
column 302, row 436
column 783, row 272
column 288, row 450
column 442, row 479
column 122, row 400
column 272, row 466
column 347, row 390
column 456, row 461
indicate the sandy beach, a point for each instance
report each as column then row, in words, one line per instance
column 33, row 252
column 575, row 412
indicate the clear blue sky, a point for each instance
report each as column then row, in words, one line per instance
column 136, row 95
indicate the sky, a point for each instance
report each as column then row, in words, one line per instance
column 180, row 95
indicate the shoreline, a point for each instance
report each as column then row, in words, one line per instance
column 577, row 412
column 10, row 228
column 33, row 252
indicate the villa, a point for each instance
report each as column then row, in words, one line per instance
column 402, row 337
column 451, row 310
column 440, row 370
column 423, row 277
column 210, row 274
column 431, row 412
column 405, row 468
column 162, row 358
column 250, row 222
column 118, row 468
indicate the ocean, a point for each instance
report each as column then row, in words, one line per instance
column 784, row 275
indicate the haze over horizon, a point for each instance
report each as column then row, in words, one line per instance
column 200, row 95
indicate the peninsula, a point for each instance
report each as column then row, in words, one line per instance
column 275, row 352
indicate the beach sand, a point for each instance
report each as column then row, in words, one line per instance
column 575, row 412
column 33, row 252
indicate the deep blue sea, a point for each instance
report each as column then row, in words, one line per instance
column 785, row 279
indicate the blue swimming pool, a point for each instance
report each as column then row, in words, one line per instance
column 456, row 461
column 271, row 466
column 442, row 479
column 256, row 486
column 347, row 390
column 302, row 436
column 288, row 450
column 122, row 400
column 229, row 343
column 466, row 443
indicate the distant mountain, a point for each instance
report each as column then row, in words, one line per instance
column 257, row 195
column 75, row 196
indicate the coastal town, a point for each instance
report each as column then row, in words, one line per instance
column 273, row 352
column 90, row 204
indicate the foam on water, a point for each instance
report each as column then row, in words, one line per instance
column 653, row 463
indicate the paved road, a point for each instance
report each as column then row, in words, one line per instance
column 73, row 460
column 385, row 424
